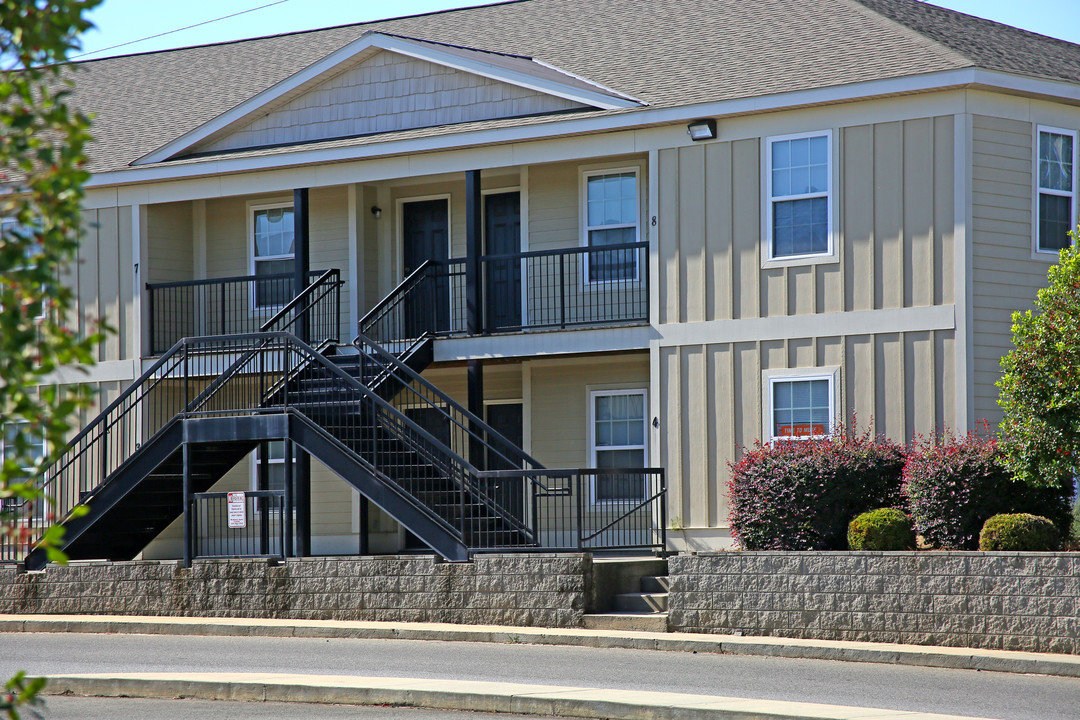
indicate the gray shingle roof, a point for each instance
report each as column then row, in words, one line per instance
column 663, row 52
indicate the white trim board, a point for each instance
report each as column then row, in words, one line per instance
column 856, row 322
column 607, row 123
column 539, row 344
column 368, row 44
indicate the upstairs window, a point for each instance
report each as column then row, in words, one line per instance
column 798, row 179
column 611, row 218
column 273, row 254
column 1056, row 201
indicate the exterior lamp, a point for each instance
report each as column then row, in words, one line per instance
column 376, row 211
column 702, row 129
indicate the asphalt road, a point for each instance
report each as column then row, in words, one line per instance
column 961, row 692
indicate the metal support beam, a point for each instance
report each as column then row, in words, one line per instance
column 474, row 248
column 302, row 252
column 264, row 484
column 189, row 540
column 365, row 537
column 475, row 370
column 289, row 499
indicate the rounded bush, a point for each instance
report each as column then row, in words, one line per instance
column 954, row 485
column 800, row 494
column 881, row 529
column 1019, row 531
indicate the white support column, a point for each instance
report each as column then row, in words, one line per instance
column 139, row 252
column 652, row 233
column 962, row 264
column 356, row 261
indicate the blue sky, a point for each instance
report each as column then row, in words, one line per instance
column 120, row 21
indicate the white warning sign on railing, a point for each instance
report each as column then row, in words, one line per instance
column 237, row 510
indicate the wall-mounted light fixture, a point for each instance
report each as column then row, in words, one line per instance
column 702, row 129
column 376, row 211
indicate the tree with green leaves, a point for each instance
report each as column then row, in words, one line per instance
column 1040, row 386
column 42, row 171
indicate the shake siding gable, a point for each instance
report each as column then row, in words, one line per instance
column 389, row 92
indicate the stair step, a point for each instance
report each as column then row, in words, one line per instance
column 642, row 622
column 655, row 584
column 641, row 602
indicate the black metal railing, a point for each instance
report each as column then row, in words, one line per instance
column 185, row 377
column 543, row 289
column 216, row 534
column 570, row 511
column 221, row 306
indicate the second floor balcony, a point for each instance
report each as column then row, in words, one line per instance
column 518, row 292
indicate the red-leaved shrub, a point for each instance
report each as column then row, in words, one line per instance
column 954, row 485
column 801, row 494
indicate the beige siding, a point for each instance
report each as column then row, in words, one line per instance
column 169, row 243
column 389, row 92
column 328, row 224
column 893, row 212
column 1005, row 278
column 559, row 412
column 102, row 281
column 711, row 402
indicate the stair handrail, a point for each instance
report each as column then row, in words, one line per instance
column 393, row 365
column 328, row 281
column 312, row 287
column 376, row 313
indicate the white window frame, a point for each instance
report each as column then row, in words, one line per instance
column 769, row 379
column 583, row 212
column 252, row 208
column 830, row 254
column 1036, row 241
column 593, row 394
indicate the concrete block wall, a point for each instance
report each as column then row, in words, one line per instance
column 526, row 590
column 1009, row 601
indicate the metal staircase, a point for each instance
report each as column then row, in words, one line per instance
column 209, row 401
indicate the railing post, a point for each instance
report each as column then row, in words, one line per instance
column 562, row 291
column 189, row 540
column 663, row 513
column 578, row 490
column 287, row 548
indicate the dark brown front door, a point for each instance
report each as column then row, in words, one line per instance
column 502, row 277
column 426, row 236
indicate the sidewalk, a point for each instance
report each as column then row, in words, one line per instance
column 538, row 700
column 942, row 657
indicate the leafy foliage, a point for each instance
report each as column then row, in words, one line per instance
column 881, row 529
column 1040, row 386
column 955, row 484
column 42, row 158
column 1020, row 531
column 800, row 495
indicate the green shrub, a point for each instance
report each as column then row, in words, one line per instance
column 881, row 529
column 1019, row 531
column 799, row 494
column 955, row 484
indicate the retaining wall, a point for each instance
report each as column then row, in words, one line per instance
column 530, row 590
column 1010, row 601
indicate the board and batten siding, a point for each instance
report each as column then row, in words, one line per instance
column 893, row 214
column 710, row 402
column 102, row 280
column 389, row 92
column 893, row 210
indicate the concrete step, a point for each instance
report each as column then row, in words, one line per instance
column 641, row 602
column 655, row 584
column 644, row 622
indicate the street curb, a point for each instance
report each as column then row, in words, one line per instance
column 463, row 695
column 893, row 654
